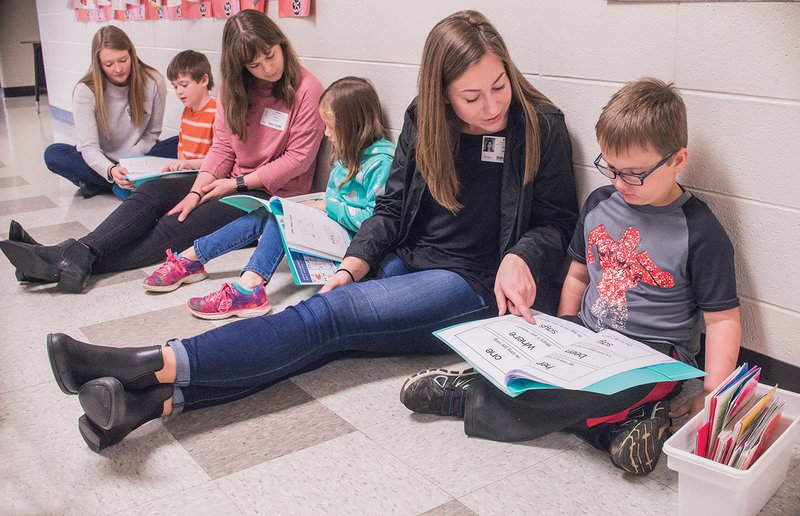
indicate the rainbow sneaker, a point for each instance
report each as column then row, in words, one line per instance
column 176, row 271
column 231, row 300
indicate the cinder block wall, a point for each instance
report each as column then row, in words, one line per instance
column 737, row 64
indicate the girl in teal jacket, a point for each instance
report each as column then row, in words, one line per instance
column 361, row 157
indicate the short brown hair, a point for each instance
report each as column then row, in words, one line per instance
column 647, row 113
column 192, row 63
column 353, row 104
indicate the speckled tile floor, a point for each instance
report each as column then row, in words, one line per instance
column 335, row 440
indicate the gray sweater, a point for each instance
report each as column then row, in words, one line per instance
column 125, row 139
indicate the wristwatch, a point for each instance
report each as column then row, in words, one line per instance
column 241, row 186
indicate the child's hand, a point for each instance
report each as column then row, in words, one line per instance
column 688, row 409
column 176, row 165
column 318, row 204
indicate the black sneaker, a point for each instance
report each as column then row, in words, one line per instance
column 637, row 446
column 437, row 391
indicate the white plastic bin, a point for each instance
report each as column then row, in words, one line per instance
column 707, row 487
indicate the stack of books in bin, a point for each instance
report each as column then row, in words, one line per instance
column 709, row 487
column 738, row 421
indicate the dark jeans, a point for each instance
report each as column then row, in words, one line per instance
column 393, row 315
column 137, row 233
column 67, row 162
column 490, row 413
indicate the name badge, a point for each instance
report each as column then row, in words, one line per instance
column 275, row 119
column 493, row 149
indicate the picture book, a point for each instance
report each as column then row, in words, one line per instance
column 554, row 353
column 145, row 168
column 739, row 422
column 314, row 244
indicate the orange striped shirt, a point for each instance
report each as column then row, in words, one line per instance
column 197, row 130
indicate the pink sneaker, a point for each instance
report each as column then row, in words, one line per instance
column 173, row 273
column 229, row 301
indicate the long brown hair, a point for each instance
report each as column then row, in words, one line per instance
column 353, row 104
column 453, row 45
column 247, row 35
column 114, row 38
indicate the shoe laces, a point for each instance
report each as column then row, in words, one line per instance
column 172, row 262
column 222, row 298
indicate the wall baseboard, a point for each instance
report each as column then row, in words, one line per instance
column 62, row 115
column 773, row 371
column 18, row 91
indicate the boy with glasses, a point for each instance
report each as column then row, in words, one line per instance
column 648, row 259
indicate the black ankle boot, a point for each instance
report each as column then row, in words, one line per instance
column 17, row 233
column 68, row 263
column 89, row 190
column 111, row 412
column 75, row 363
column 30, row 265
column 76, row 267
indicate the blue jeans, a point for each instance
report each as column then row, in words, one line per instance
column 392, row 315
column 241, row 232
column 67, row 162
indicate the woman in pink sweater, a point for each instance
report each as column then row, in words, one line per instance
column 266, row 136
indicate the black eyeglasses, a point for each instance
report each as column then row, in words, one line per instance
column 628, row 177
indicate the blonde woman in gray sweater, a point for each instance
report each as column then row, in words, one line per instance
column 118, row 108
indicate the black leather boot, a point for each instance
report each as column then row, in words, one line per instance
column 68, row 263
column 76, row 267
column 111, row 412
column 75, row 363
column 89, row 190
column 17, row 233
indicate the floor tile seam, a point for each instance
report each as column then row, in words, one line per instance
column 26, row 386
column 411, row 468
column 166, row 497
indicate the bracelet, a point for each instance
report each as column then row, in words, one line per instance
column 196, row 193
column 348, row 273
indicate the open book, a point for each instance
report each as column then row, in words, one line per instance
column 314, row 244
column 553, row 353
column 145, row 168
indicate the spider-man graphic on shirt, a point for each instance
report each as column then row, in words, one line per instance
column 623, row 268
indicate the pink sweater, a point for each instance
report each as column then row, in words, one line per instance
column 281, row 144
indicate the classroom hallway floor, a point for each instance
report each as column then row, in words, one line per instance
column 331, row 441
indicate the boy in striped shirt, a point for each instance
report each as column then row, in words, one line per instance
column 190, row 74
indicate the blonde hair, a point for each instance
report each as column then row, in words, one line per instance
column 353, row 104
column 114, row 38
column 648, row 114
column 247, row 35
column 453, row 45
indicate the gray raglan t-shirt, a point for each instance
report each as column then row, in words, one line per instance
column 652, row 269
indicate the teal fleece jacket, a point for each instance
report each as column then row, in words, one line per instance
column 354, row 202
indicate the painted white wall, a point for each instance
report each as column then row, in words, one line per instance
column 18, row 23
column 737, row 64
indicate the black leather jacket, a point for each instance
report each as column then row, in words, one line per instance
column 537, row 220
